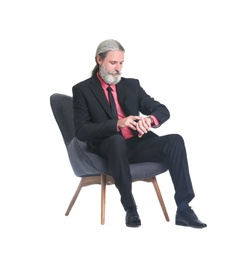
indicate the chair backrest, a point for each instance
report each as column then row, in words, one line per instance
column 83, row 161
column 62, row 109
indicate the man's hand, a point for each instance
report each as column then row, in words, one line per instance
column 144, row 125
column 139, row 123
column 130, row 121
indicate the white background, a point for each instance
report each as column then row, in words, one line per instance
column 195, row 57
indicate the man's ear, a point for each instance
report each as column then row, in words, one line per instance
column 99, row 59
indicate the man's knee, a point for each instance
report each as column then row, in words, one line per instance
column 178, row 139
column 174, row 141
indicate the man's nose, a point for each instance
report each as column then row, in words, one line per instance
column 118, row 67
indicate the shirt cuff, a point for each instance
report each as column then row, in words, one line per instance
column 155, row 121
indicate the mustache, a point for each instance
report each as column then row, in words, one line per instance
column 115, row 72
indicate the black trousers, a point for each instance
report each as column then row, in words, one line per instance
column 170, row 148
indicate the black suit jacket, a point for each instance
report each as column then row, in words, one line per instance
column 92, row 114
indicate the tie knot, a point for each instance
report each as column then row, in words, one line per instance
column 109, row 88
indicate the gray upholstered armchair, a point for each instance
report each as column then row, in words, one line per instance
column 90, row 167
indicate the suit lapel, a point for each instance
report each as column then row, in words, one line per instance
column 122, row 91
column 98, row 91
column 122, row 97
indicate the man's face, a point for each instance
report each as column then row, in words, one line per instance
column 111, row 66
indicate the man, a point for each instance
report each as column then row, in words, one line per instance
column 107, row 110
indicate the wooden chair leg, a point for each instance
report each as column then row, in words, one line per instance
column 161, row 201
column 103, row 197
column 81, row 183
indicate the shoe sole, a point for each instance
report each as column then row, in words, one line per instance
column 186, row 225
column 133, row 225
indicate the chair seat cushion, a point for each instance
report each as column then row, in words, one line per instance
column 87, row 163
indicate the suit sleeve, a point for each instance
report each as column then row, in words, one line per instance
column 149, row 106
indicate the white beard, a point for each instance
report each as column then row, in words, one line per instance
column 108, row 77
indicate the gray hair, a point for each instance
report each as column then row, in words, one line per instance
column 103, row 48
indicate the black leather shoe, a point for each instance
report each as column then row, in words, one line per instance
column 188, row 218
column 132, row 217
